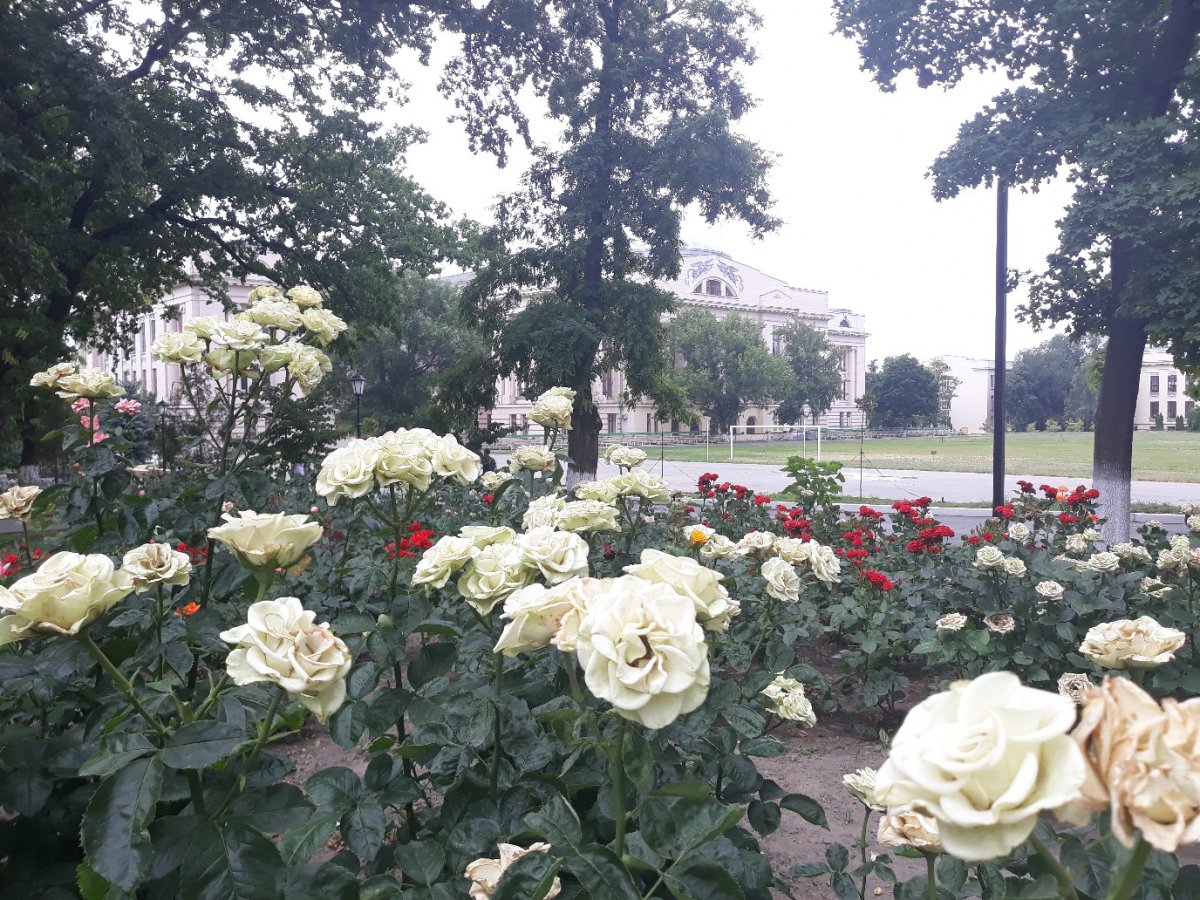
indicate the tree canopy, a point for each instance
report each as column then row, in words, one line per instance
column 814, row 377
column 904, row 393
column 1103, row 91
column 645, row 94
column 1040, row 381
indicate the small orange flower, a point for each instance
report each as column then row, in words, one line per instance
column 190, row 610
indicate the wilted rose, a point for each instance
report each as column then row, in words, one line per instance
column 908, row 828
column 17, row 502
column 151, row 565
column 485, row 873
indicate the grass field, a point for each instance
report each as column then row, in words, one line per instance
column 1157, row 455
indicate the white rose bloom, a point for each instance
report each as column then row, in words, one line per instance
column 177, row 347
column 91, row 384
column 1074, row 685
column 557, row 555
column 1091, row 534
column 493, row 480
column 308, row 366
column 67, row 592
column 1076, row 543
column 1186, row 508
column 984, row 759
column 1001, row 623
column 861, row 784
column 794, row 550
column 697, row 534
column 543, row 511
column 643, row 652
column 402, row 459
column 442, row 561
column 1193, row 524
column 720, row 547
column 1018, row 533
column 482, row 535
column 552, row 411
column 951, row 622
column 348, row 472
column 203, row 327
column 1014, row 566
column 264, row 292
column 714, row 607
column 151, row 565
column 455, row 462
column 588, row 515
column 624, row 457
column 1131, row 644
column 1101, row 562
column 579, row 592
column 49, row 378
column 280, row 643
column 637, row 483
column 1152, row 587
column 1170, row 560
column 540, row 617
column 238, row 334
column 496, row 571
column 1180, row 542
column 535, row 459
column 1130, row 550
column 270, row 359
column 604, row 491
column 1051, row 590
column 788, row 701
column 304, row 296
column 824, row 563
column 561, row 392
column 265, row 540
column 782, row 581
column 989, row 558
column 485, row 873
column 758, row 543
column 908, row 828
column 17, row 502
column 281, row 314
column 323, row 325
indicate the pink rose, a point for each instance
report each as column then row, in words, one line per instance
column 80, row 404
column 128, row 407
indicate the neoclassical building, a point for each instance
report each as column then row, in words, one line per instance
column 713, row 281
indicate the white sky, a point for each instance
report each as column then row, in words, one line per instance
column 849, row 184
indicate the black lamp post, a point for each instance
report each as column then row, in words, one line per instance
column 162, row 434
column 357, row 383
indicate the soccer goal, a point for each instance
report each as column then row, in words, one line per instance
column 800, row 434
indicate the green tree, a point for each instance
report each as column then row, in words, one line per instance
column 1084, row 396
column 948, row 385
column 726, row 368
column 814, row 377
column 1105, row 90
column 904, row 393
column 1040, row 381
column 645, row 93
column 149, row 146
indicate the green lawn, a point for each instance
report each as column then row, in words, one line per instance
column 1157, row 455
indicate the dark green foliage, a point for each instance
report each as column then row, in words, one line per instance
column 814, row 378
column 904, row 393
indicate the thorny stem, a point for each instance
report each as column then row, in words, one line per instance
column 618, row 779
column 123, row 684
column 1065, row 883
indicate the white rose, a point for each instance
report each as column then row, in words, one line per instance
column 624, row 457
column 984, row 759
column 50, row 377
column 535, row 459
column 264, row 292
column 552, row 411
column 402, row 459
column 1018, row 533
column 951, row 622
column 1014, row 567
column 989, row 558
column 267, row 541
column 1186, row 508
column 67, row 592
column 637, row 483
column 643, row 652
column 557, row 555
column 861, row 784
column 1076, row 543
column 1091, row 534
column 589, row 516
column 203, row 327
column 824, row 563
column 493, row 480
column 1101, row 562
column 1180, row 542
column 1051, row 590
column 323, row 325
column 782, row 581
column 758, row 543
column 485, row 873
column 348, row 472
column 495, row 572
column 17, row 502
column 543, row 511
column 304, row 296
column 1131, row 644
column 540, row 617
column 714, row 607
column 92, row 384
column 1074, row 685
column 1170, row 560
column 454, row 462
column 793, row 550
column 719, row 547
column 1152, row 587
column 482, row 535
column 238, row 334
column 177, row 347
column 604, row 491
column 281, row 314
column 443, row 560
column 280, row 643
column 308, row 366
column 1001, row 623
column 151, row 565
column 1193, row 523
column 270, row 359
column 908, row 828
column 788, row 701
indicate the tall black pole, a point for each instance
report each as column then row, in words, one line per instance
column 999, row 419
column 358, row 415
column 162, row 433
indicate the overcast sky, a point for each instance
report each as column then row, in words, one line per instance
column 849, row 184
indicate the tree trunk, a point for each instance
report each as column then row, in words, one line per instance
column 1112, row 453
column 583, row 446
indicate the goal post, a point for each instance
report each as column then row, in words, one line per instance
column 803, row 432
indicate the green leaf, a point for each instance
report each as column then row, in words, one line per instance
column 336, row 789
column 115, row 752
column 602, row 874
column 362, row 680
column 113, row 830
column 764, row 817
column 764, row 747
column 201, row 744
column 557, row 822
column 302, row 842
column 672, row 827
column 363, row 827
column 837, row 857
column 433, row 660
column 529, row 878
column 320, row 881
column 273, row 809
column 236, row 862
column 347, row 725
column 702, row 880
column 806, row 807
column 422, row 861
column 746, row 721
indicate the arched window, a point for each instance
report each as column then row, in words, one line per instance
column 750, row 423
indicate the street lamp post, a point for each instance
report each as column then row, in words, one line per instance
column 162, row 434
column 357, row 383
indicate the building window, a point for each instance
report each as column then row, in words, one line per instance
column 776, row 344
column 606, row 386
column 845, row 390
column 612, row 423
column 1153, row 409
column 1172, row 383
column 1154, row 384
column 1172, row 409
column 712, row 287
column 512, row 420
column 649, row 422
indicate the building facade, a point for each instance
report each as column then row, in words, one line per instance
column 1162, row 392
column 970, row 410
column 714, row 282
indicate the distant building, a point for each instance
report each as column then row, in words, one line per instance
column 713, row 281
column 1161, row 391
column 971, row 408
